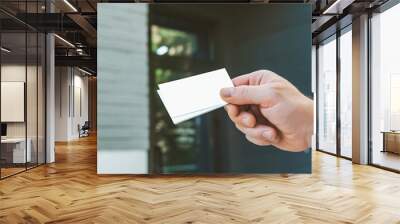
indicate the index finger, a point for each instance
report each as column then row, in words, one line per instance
column 242, row 80
column 243, row 118
column 254, row 78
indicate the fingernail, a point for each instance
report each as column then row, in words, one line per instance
column 226, row 92
column 246, row 121
column 268, row 135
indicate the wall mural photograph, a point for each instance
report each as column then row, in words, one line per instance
column 166, row 111
column 190, row 43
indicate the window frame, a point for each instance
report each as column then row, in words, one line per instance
column 333, row 37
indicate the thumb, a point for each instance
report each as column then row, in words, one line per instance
column 243, row 95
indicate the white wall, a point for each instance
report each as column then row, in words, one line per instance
column 80, row 108
column 62, row 81
column 69, row 84
column 16, row 72
column 10, row 73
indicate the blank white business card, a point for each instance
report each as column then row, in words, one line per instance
column 185, row 117
column 193, row 96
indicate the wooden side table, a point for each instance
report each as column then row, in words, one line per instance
column 391, row 141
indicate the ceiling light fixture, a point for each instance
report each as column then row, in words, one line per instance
column 65, row 41
column 70, row 5
column 5, row 50
column 79, row 51
column 337, row 7
column 84, row 71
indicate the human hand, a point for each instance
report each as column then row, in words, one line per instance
column 269, row 110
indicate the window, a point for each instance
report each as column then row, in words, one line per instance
column 385, row 89
column 346, row 92
column 334, row 94
column 327, row 95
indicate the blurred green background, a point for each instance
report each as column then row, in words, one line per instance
column 187, row 39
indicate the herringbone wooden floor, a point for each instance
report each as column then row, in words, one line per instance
column 69, row 191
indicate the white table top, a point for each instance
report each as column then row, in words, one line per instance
column 13, row 140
